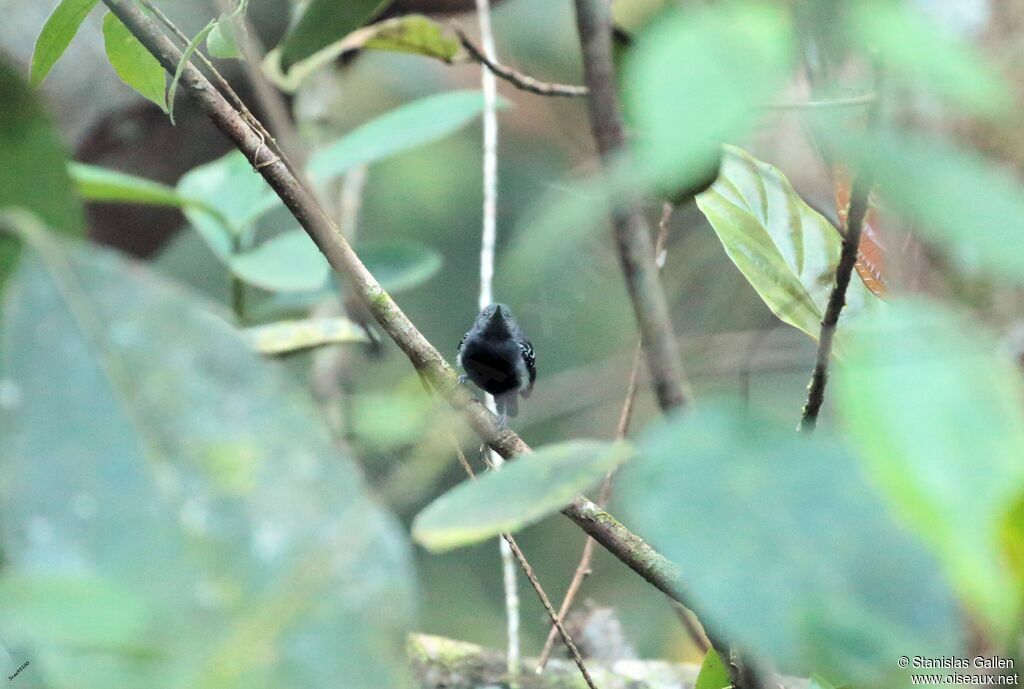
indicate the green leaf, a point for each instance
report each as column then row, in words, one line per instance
column 323, row 23
column 411, row 125
column 522, row 493
column 915, row 48
column 819, row 682
column 223, row 39
column 713, row 673
column 58, row 31
column 289, row 262
column 230, row 186
column 95, row 183
column 183, row 61
column 415, row 34
column 32, row 166
column 729, row 59
column 135, row 65
column 84, row 613
column 400, row 265
column 787, row 550
column 150, row 448
column 786, row 250
column 287, row 337
column 967, row 205
column 941, row 424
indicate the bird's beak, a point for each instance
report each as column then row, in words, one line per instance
column 497, row 315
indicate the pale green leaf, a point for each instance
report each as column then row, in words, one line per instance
column 522, row 493
column 289, row 262
column 938, row 410
column 223, row 39
column 152, row 450
column 411, row 125
column 787, row 549
column 786, row 250
column 58, row 31
column 287, row 337
column 415, row 34
column 135, row 65
column 400, row 265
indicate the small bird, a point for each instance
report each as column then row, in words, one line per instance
column 499, row 359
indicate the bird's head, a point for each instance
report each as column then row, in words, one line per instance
column 493, row 320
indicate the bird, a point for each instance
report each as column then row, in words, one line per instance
column 498, row 359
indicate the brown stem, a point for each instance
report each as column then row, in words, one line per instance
column 636, row 254
column 521, row 81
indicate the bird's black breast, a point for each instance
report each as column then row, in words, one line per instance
column 492, row 366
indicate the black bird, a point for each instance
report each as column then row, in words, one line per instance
column 499, row 359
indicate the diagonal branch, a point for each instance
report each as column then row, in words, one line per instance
column 428, row 362
column 521, row 81
column 636, row 253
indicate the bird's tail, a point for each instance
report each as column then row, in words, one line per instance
column 507, row 404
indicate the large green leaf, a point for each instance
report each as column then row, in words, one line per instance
column 32, row 166
column 785, row 547
column 323, row 23
column 400, row 265
column 58, row 31
column 148, row 450
column 238, row 194
column 969, row 206
column 406, row 127
column 694, row 81
column 133, row 63
column 522, row 493
column 939, row 411
column 289, row 262
column 786, row 250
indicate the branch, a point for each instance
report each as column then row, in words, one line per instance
column 428, row 362
column 636, row 254
column 521, row 81
column 860, row 202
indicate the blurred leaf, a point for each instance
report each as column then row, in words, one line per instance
column 787, row 550
column 286, row 337
column 819, row 682
column 966, row 204
column 522, row 493
column 941, row 424
column 95, row 183
column 86, row 614
column 728, row 59
column 32, row 166
column 58, row 31
column 230, row 186
column 713, row 673
column 132, row 62
column 913, row 46
column 400, row 265
column 323, row 23
column 785, row 249
column 149, row 448
column 289, row 262
column 222, row 41
column 413, row 124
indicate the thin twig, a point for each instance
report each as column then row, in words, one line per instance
column 636, row 255
column 521, row 81
column 860, row 202
column 632, row 550
column 524, row 564
column 850, row 102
